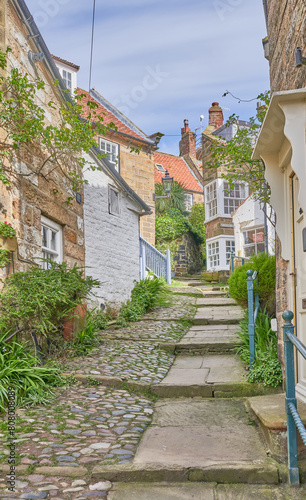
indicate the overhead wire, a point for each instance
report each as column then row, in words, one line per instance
column 92, row 41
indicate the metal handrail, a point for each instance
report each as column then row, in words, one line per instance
column 233, row 256
column 293, row 418
column 252, row 311
column 153, row 260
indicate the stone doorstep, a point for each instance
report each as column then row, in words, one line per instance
column 252, row 473
column 223, row 301
column 271, row 414
column 202, row 491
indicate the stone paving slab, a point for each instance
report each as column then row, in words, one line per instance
column 217, row 315
column 215, row 302
column 181, row 491
column 211, row 433
column 210, row 491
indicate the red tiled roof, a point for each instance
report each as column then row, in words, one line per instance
column 178, row 169
column 59, row 59
column 107, row 116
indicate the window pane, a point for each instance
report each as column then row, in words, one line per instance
column 53, row 240
column 44, row 236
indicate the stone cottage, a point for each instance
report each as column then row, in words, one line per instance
column 35, row 201
column 282, row 146
column 220, row 200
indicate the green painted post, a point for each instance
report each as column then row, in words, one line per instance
column 232, row 261
column 290, row 398
column 250, row 286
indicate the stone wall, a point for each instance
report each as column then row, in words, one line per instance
column 188, row 258
column 138, row 171
column 30, row 196
column 112, row 241
column 286, row 31
column 218, row 226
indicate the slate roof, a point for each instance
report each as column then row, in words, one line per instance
column 111, row 114
column 178, row 169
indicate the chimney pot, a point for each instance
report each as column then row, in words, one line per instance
column 215, row 116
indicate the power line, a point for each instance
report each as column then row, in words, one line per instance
column 92, row 41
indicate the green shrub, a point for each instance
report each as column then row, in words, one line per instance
column 174, row 200
column 265, row 266
column 172, row 224
column 266, row 367
column 40, row 299
column 148, row 293
column 18, row 369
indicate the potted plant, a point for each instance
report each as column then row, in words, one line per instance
column 8, row 239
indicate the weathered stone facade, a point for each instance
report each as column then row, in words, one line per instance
column 188, row 258
column 31, row 196
column 286, row 26
column 219, row 226
column 286, row 22
column 138, row 171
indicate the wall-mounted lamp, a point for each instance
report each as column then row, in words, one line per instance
column 299, row 59
column 167, row 183
column 35, row 57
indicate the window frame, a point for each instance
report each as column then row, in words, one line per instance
column 211, row 255
column 232, row 248
column 54, row 227
column 228, row 197
column 66, row 78
column 211, row 202
column 188, row 204
column 116, row 163
column 257, row 230
column 110, row 208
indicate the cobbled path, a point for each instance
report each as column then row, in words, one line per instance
column 59, row 444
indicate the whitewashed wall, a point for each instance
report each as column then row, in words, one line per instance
column 111, row 241
column 250, row 215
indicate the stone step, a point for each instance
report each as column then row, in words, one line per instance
column 213, row 293
column 217, row 315
column 270, row 412
column 203, row 491
column 197, row 441
column 211, row 375
column 203, row 339
column 215, row 302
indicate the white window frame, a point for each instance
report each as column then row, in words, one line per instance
column 66, row 79
column 223, row 265
column 47, row 251
column 229, row 248
column 111, row 209
column 213, row 255
column 113, row 154
column 159, row 167
column 211, row 200
column 258, row 230
column 233, row 196
column 188, row 201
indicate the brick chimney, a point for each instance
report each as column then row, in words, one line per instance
column 188, row 141
column 215, row 116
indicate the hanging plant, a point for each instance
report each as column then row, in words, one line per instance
column 6, row 230
column 4, row 257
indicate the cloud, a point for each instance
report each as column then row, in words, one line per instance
column 202, row 47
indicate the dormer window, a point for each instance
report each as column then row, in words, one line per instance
column 159, row 167
column 111, row 150
column 67, row 78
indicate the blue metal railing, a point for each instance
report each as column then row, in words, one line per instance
column 154, row 261
column 252, row 311
column 293, row 418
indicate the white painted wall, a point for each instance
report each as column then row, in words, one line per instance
column 111, row 241
column 248, row 216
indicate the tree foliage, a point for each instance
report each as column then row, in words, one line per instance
column 175, row 199
column 236, row 154
column 27, row 131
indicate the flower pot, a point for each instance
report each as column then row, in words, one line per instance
column 75, row 322
column 173, row 274
column 9, row 244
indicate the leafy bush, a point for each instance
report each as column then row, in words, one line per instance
column 197, row 217
column 18, row 369
column 173, row 224
column 265, row 266
column 146, row 294
column 40, row 299
column 266, row 368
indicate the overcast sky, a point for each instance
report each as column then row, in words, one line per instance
column 161, row 61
